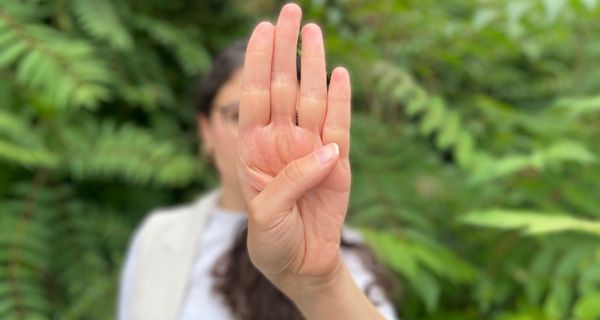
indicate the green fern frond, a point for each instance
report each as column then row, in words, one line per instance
column 131, row 154
column 63, row 71
column 20, row 145
column 13, row 127
column 425, row 264
column 554, row 156
column 23, row 254
column 531, row 223
column 97, row 299
column 435, row 118
column 579, row 105
column 47, row 241
column 76, row 252
column 192, row 57
column 142, row 80
column 100, row 19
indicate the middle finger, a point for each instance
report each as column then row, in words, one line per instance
column 284, row 83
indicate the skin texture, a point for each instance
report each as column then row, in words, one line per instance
column 297, row 208
column 219, row 136
column 293, row 180
column 296, row 179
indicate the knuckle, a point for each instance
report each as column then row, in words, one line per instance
column 284, row 78
column 286, row 37
column 339, row 99
column 336, row 132
column 314, row 54
column 253, row 207
column 252, row 85
column 256, row 210
column 318, row 94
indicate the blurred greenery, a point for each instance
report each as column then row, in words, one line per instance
column 474, row 145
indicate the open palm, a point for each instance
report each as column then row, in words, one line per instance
column 297, row 200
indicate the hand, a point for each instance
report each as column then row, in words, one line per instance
column 295, row 178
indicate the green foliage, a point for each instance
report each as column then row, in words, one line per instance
column 478, row 115
column 99, row 19
column 435, row 117
column 60, row 70
column 530, row 222
column 474, row 145
column 423, row 261
column 19, row 146
column 131, row 153
column 189, row 56
column 92, row 136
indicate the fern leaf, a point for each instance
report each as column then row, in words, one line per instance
column 128, row 153
column 579, row 105
column 530, row 222
column 435, row 118
column 19, row 144
column 23, row 250
column 64, row 71
column 555, row 155
column 100, row 19
column 192, row 57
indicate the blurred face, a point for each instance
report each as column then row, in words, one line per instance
column 219, row 131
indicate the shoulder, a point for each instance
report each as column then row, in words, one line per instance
column 172, row 216
column 164, row 218
column 175, row 220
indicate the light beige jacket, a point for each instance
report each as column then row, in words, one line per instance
column 156, row 278
column 165, row 252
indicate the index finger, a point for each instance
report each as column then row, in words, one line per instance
column 255, row 100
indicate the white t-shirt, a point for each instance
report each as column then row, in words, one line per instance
column 221, row 229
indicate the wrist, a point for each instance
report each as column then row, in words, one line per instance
column 331, row 296
column 304, row 289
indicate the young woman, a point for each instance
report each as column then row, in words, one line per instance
column 269, row 243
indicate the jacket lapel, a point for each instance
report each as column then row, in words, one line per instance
column 167, row 254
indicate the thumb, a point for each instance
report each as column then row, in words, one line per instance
column 298, row 177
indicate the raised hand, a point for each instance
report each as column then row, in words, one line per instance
column 295, row 178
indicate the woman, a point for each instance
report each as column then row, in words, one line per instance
column 200, row 261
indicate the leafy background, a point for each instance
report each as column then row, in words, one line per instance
column 474, row 145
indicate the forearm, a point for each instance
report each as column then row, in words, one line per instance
column 336, row 298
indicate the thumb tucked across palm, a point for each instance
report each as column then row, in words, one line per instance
column 295, row 178
column 298, row 177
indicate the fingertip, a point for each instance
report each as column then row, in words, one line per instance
column 336, row 149
column 328, row 153
column 340, row 74
column 291, row 9
column 264, row 26
column 339, row 84
column 311, row 28
column 312, row 39
column 290, row 15
column 261, row 36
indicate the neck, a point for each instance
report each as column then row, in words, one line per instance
column 232, row 199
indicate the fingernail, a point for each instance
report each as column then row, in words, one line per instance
column 327, row 153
